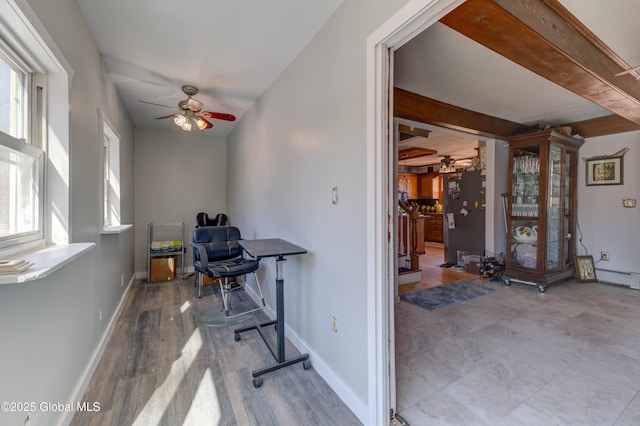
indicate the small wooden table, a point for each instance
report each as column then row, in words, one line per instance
column 278, row 248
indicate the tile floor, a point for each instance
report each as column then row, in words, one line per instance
column 570, row 356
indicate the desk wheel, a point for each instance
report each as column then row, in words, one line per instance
column 237, row 337
column 257, row 382
column 306, row 364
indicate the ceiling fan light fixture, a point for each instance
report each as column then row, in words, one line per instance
column 447, row 168
column 201, row 123
column 187, row 126
column 179, row 119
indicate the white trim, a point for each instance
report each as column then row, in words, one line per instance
column 344, row 392
column 46, row 261
column 411, row 19
column 117, row 229
column 85, row 377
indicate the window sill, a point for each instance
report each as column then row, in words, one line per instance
column 46, row 261
column 119, row 229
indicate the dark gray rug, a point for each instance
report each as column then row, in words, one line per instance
column 445, row 295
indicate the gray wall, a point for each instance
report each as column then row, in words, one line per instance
column 177, row 175
column 305, row 135
column 50, row 328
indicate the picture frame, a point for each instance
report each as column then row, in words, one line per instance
column 604, row 171
column 585, row 269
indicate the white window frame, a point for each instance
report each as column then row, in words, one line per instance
column 24, row 33
column 110, row 194
column 25, row 140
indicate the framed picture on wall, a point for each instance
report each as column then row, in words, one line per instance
column 604, row 171
column 585, row 269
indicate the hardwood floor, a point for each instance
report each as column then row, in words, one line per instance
column 160, row 367
column 432, row 274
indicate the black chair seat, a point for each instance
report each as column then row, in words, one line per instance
column 229, row 268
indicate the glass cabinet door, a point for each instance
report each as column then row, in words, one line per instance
column 555, row 204
column 524, row 207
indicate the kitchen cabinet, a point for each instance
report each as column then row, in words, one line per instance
column 430, row 186
column 433, row 228
column 424, row 185
column 541, row 208
column 408, row 182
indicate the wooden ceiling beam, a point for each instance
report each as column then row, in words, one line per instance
column 601, row 126
column 415, row 152
column 413, row 131
column 415, row 107
column 533, row 35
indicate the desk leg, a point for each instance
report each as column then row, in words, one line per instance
column 279, row 353
column 280, row 318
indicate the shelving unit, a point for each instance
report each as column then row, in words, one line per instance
column 541, row 208
column 165, row 232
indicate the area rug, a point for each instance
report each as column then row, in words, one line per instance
column 445, row 295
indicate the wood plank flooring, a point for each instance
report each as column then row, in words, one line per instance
column 432, row 274
column 160, row 367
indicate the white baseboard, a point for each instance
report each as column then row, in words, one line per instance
column 81, row 387
column 333, row 380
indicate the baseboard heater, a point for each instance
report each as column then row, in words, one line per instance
column 632, row 279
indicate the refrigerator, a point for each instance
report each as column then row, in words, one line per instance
column 464, row 214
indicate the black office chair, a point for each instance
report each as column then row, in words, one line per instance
column 217, row 254
column 202, row 219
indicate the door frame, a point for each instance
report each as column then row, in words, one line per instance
column 410, row 20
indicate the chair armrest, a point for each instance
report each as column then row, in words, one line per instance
column 202, row 252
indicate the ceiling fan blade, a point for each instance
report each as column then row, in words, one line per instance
column 165, row 106
column 165, row 116
column 219, row 115
column 628, row 71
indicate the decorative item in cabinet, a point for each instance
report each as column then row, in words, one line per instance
column 540, row 208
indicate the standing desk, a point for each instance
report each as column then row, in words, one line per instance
column 274, row 247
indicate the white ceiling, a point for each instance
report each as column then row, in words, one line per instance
column 233, row 50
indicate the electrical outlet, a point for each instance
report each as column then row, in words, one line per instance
column 100, row 315
column 335, row 325
column 604, row 255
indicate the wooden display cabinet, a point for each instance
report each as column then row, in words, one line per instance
column 541, row 208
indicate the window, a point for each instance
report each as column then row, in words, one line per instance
column 21, row 161
column 111, row 173
column 35, row 202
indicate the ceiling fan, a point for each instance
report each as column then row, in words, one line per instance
column 448, row 164
column 447, row 160
column 190, row 115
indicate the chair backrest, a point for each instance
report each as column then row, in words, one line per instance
column 221, row 220
column 221, row 242
column 202, row 219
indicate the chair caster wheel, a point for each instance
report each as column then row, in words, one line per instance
column 257, row 382
column 306, row 364
column 542, row 288
column 237, row 337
